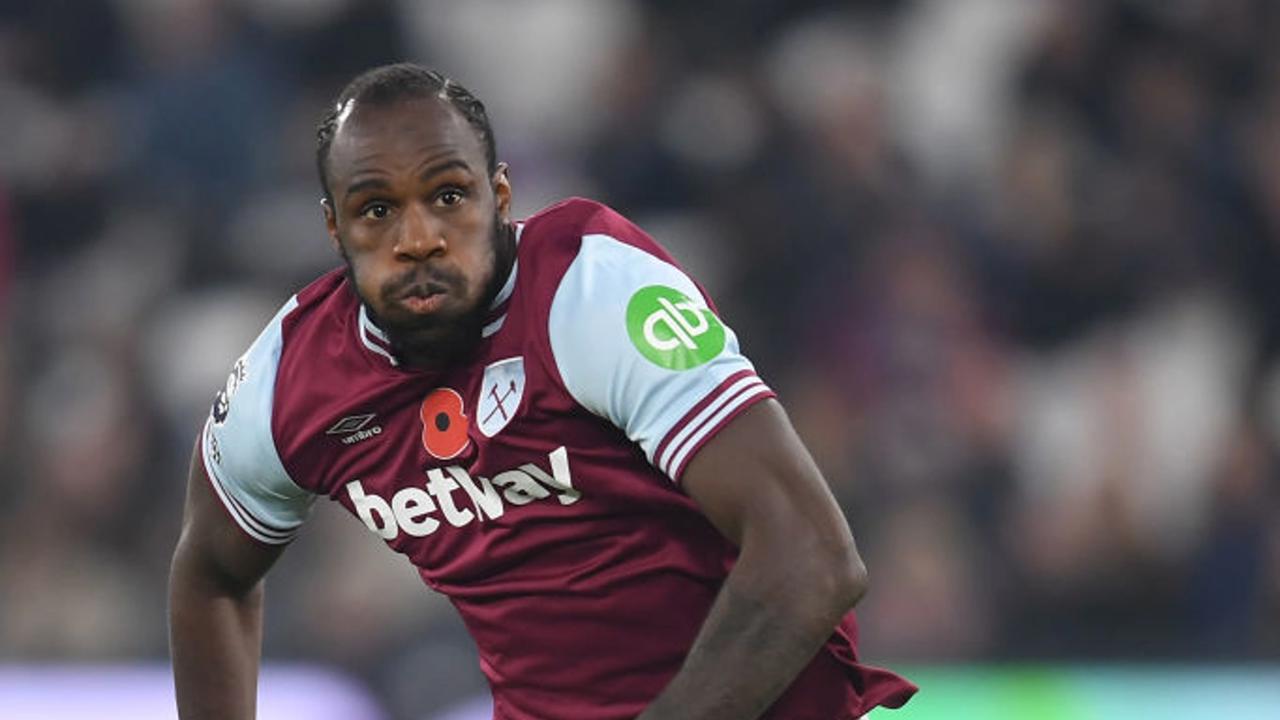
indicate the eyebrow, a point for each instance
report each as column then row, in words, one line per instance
column 450, row 164
column 377, row 183
column 367, row 184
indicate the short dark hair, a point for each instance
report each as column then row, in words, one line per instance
column 389, row 84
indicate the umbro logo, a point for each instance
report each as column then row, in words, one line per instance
column 354, row 428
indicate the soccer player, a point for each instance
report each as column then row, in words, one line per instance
column 549, row 420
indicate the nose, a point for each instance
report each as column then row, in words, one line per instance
column 419, row 235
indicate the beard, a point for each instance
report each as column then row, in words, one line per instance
column 445, row 337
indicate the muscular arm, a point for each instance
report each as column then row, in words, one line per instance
column 797, row 574
column 215, row 608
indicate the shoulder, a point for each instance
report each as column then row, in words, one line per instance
column 272, row 375
column 584, row 250
column 320, row 332
column 241, row 456
column 578, row 237
column 556, row 233
column 631, row 337
column 321, row 302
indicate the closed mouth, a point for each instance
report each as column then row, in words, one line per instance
column 422, row 298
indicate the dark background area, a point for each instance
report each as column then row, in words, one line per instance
column 1012, row 267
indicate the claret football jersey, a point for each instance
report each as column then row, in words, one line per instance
column 537, row 485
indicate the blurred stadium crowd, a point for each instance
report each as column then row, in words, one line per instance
column 1013, row 266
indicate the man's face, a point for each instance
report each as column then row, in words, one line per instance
column 419, row 221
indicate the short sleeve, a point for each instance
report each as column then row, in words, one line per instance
column 239, row 451
column 636, row 342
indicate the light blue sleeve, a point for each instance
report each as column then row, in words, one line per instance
column 636, row 343
column 239, row 450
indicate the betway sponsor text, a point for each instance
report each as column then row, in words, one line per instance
column 418, row 511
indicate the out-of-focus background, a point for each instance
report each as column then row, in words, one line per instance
column 1012, row 265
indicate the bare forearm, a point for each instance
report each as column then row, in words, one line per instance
column 751, row 646
column 216, row 639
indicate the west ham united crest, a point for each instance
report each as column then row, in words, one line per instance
column 500, row 392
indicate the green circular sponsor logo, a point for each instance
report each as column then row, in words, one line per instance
column 671, row 330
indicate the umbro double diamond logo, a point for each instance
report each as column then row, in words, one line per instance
column 355, row 428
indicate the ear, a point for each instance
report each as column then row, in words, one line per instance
column 331, row 223
column 502, row 192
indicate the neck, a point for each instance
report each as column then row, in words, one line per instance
column 504, row 258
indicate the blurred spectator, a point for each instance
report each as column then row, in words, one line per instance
column 7, row 242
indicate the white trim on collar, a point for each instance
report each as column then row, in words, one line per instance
column 510, row 285
column 493, row 327
column 365, row 328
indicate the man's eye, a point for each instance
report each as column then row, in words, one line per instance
column 375, row 211
column 450, row 196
